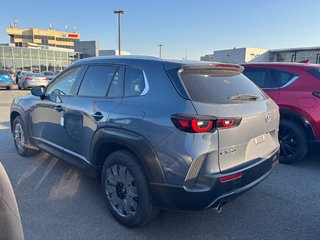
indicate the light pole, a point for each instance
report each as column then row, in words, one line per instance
column 160, row 48
column 119, row 12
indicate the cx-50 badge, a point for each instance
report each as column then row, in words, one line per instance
column 268, row 118
column 228, row 152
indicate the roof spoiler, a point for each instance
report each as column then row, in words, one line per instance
column 214, row 66
column 196, row 65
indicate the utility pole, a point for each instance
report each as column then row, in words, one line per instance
column 160, row 48
column 119, row 12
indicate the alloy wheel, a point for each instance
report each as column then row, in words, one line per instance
column 19, row 136
column 121, row 190
column 288, row 143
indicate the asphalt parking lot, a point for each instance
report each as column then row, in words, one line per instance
column 57, row 201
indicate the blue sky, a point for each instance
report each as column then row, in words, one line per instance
column 184, row 27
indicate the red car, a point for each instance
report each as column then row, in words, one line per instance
column 295, row 87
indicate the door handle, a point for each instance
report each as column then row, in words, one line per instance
column 58, row 108
column 97, row 116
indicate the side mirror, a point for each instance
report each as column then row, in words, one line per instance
column 38, row 91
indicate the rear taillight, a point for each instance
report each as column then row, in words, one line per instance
column 27, row 79
column 189, row 123
column 201, row 124
column 227, row 123
column 316, row 94
column 46, row 79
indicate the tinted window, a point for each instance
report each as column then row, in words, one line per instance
column 48, row 73
column 315, row 72
column 261, row 77
column 96, row 81
column 63, row 84
column 116, row 87
column 283, row 77
column 134, row 82
column 34, row 75
column 217, row 86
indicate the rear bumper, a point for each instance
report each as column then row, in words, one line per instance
column 30, row 84
column 211, row 192
column 6, row 84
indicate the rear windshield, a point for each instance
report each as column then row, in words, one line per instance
column 34, row 75
column 315, row 72
column 48, row 73
column 220, row 87
column 3, row 72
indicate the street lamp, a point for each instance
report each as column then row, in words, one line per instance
column 160, row 48
column 119, row 12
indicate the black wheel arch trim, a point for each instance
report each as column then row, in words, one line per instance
column 21, row 113
column 297, row 117
column 135, row 143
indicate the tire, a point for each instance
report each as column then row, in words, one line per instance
column 10, row 88
column 21, row 138
column 122, row 173
column 293, row 142
column 19, row 87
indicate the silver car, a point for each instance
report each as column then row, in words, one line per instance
column 31, row 80
column 49, row 74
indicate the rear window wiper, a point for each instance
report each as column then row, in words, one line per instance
column 244, row 97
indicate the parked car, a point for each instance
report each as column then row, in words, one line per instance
column 157, row 134
column 11, row 74
column 31, row 80
column 20, row 74
column 5, row 79
column 295, row 87
column 50, row 75
column 10, row 227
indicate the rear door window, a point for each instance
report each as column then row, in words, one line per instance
column 261, row 77
column 217, row 86
column 97, row 80
column 116, row 86
column 283, row 77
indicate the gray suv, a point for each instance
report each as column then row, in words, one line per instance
column 157, row 134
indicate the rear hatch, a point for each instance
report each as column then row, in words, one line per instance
column 223, row 92
column 38, row 78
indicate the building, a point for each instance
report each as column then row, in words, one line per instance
column 32, row 37
column 112, row 52
column 88, row 48
column 242, row 55
column 36, row 59
column 238, row 55
column 207, row 58
column 37, row 50
column 311, row 54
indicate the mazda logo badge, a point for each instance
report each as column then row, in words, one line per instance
column 268, row 118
